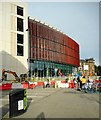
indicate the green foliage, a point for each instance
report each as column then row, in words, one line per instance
column 98, row 70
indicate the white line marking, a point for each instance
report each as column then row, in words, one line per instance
column 3, row 99
column 38, row 93
column 35, row 96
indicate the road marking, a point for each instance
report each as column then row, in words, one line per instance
column 38, row 94
column 34, row 96
column 41, row 92
column 3, row 99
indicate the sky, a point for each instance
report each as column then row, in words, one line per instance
column 78, row 20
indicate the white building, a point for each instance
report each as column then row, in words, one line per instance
column 13, row 37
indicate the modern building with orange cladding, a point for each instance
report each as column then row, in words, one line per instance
column 51, row 52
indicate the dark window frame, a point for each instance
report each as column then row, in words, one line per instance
column 20, row 39
column 20, row 50
column 19, row 10
column 20, row 26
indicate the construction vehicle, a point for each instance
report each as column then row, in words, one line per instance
column 18, row 79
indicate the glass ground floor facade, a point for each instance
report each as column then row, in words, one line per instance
column 49, row 69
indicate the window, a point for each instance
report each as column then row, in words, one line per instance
column 20, row 46
column 19, row 39
column 19, row 50
column 19, row 11
column 19, row 24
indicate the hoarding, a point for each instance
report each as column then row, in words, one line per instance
column 85, row 67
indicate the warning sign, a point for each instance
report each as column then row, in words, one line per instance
column 20, row 104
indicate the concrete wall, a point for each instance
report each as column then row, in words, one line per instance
column 8, row 39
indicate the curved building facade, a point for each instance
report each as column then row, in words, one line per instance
column 51, row 52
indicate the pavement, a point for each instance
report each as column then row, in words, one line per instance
column 56, row 103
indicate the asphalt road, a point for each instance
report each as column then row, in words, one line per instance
column 58, row 103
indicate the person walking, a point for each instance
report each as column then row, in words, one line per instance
column 83, row 80
column 79, row 83
column 47, row 85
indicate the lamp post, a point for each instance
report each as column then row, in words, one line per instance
column 29, row 66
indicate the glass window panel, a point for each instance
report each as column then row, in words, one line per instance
column 19, row 11
column 19, row 50
column 19, row 38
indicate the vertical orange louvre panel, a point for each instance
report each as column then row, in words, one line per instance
column 40, row 54
column 34, row 53
column 50, row 55
column 46, row 32
column 40, row 31
column 34, row 28
column 40, row 43
column 31, row 53
column 57, row 57
column 37, row 29
column 43, row 32
column 43, row 54
column 47, row 55
column 50, row 34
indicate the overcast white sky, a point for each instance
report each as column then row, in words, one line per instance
column 79, row 20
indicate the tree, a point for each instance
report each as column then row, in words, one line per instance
column 98, row 70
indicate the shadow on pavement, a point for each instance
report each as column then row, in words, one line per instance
column 73, row 92
column 5, row 93
column 41, row 116
column 4, row 109
column 29, row 101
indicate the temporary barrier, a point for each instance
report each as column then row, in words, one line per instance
column 52, row 82
column 17, row 85
column 31, row 86
column 7, row 86
column 63, row 81
column 40, row 83
column 25, row 85
column 63, row 85
column 17, row 102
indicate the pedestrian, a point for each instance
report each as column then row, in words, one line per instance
column 83, row 82
column 47, row 85
column 79, row 83
column 74, row 80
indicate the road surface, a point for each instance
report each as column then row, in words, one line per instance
column 57, row 103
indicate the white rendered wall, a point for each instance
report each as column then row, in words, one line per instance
column 8, row 39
